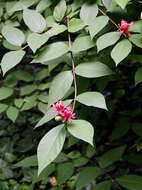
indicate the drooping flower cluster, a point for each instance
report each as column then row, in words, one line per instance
column 125, row 27
column 65, row 112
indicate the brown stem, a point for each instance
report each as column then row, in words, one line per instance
column 73, row 66
column 112, row 21
column 24, row 47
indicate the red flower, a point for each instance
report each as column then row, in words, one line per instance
column 59, row 107
column 68, row 114
column 124, row 27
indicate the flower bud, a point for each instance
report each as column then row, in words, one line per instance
column 58, row 118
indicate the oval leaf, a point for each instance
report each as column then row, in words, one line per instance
column 136, row 39
column 121, row 51
column 88, row 13
column 99, row 23
column 60, row 86
column 75, row 25
column 50, row 146
column 13, row 35
column 52, row 51
column 92, row 70
column 131, row 182
column 12, row 113
column 11, row 59
column 107, row 40
column 82, row 129
column 34, row 20
column 5, row 93
column 82, row 44
column 60, row 10
column 94, row 99
column 138, row 76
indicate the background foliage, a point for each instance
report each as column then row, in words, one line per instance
column 35, row 57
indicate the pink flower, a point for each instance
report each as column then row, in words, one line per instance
column 68, row 114
column 124, row 27
column 59, row 107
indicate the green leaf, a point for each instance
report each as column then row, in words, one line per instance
column 13, row 35
column 60, row 10
column 12, row 113
column 82, row 43
column 136, row 39
column 20, row 5
column 34, row 20
column 117, row 54
column 35, row 40
column 43, row 4
column 75, row 25
column 136, row 27
column 138, row 76
column 94, row 99
column 60, row 86
column 11, row 59
column 50, row 146
column 86, row 176
column 27, row 162
column 137, row 128
column 50, row 114
column 92, row 69
column 105, row 185
column 122, row 3
column 5, row 93
column 3, row 107
column 88, row 13
column 99, row 23
column 111, row 156
column 51, row 51
column 130, row 182
column 82, row 129
column 18, row 102
column 107, row 40
column 27, row 89
column 9, row 46
column 64, row 172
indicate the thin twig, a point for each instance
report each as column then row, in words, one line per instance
column 73, row 66
column 112, row 21
column 24, row 47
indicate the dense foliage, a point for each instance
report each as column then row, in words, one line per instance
column 70, row 95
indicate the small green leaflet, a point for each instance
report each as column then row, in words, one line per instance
column 121, row 51
column 50, row 146
column 81, row 129
column 13, row 35
column 11, row 59
column 34, row 20
column 105, row 185
column 5, row 92
column 94, row 99
column 12, row 113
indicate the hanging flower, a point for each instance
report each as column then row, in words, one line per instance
column 68, row 114
column 63, row 113
column 124, row 27
column 59, row 107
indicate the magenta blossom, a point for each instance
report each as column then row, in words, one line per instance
column 59, row 107
column 64, row 113
column 68, row 114
column 124, row 27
